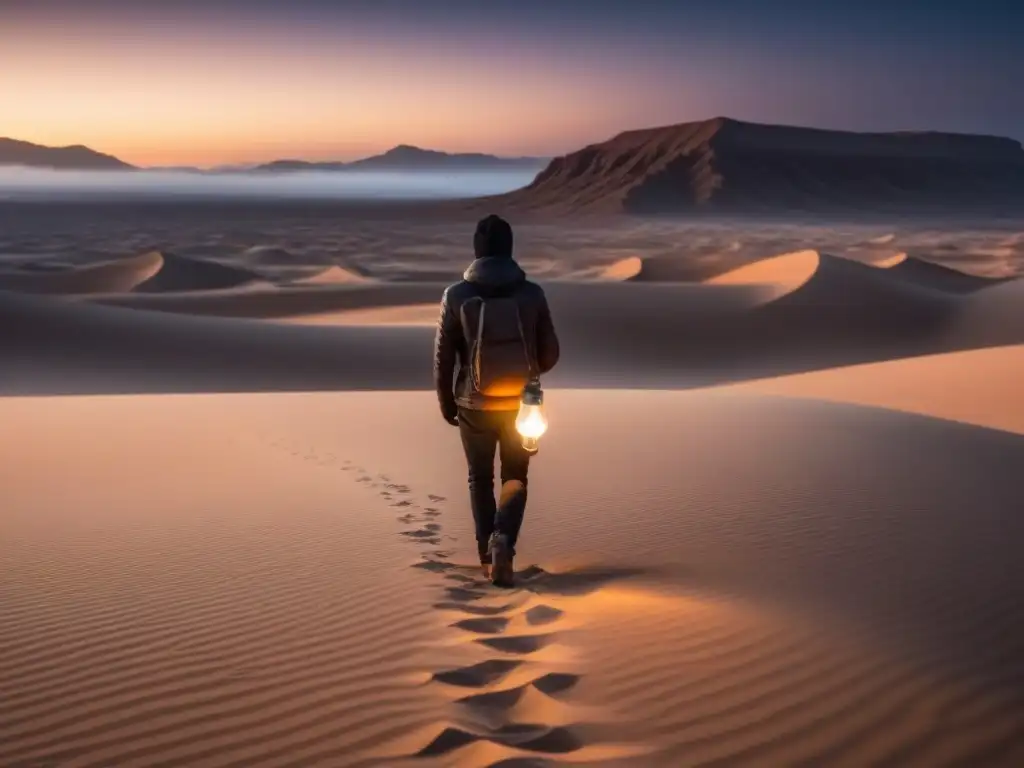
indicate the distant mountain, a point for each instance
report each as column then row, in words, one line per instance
column 13, row 152
column 733, row 166
column 285, row 166
column 405, row 157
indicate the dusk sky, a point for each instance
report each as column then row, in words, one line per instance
column 161, row 83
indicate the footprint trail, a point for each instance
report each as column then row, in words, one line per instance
column 518, row 698
column 513, row 697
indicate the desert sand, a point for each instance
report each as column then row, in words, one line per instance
column 776, row 520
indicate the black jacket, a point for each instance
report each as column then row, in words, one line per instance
column 487, row 277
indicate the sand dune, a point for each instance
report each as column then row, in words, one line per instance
column 924, row 272
column 673, row 268
column 977, row 387
column 665, row 614
column 288, row 300
column 332, row 276
column 792, row 312
column 621, row 270
column 151, row 272
column 181, row 273
column 780, row 275
column 780, row 271
column 116, row 276
column 127, row 350
column 796, row 312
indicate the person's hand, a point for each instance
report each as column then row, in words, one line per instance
column 452, row 419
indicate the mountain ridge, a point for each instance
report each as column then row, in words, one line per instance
column 73, row 157
column 731, row 165
column 409, row 157
column 400, row 157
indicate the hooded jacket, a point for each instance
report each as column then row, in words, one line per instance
column 488, row 277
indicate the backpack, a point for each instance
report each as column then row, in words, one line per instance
column 500, row 359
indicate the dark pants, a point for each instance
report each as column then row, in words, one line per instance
column 483, row 432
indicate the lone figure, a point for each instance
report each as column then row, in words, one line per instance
column 494, row 335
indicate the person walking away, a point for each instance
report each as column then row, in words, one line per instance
column 494, row 335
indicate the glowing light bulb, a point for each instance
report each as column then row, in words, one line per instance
column 531, row 422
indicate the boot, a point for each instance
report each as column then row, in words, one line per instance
column 502, row 572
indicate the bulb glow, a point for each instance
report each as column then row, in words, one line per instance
column 531, row 422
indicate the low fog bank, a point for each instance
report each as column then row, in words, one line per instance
column 19, row 183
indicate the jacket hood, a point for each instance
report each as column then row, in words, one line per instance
column 494, row 272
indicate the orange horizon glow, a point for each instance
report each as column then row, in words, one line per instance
column 180, row 100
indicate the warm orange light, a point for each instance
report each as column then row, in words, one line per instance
column 532, row 422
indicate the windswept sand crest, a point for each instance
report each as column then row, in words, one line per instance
column 977, row 387
column 333, row 275
column 780, row 275
column 151, row 272
column 181, row 273
column 928, row 273
column 270, row 302
column 415, row 315
column 668, row 268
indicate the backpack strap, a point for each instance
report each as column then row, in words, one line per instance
column 478, row 344
column 531, row 362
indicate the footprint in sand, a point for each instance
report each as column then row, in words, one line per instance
column 464, row 579
column 542, row 614
column 433, row 566
column 483, row 626
column 402, row 503
column 473, row 610
column 420, row 533
column 551, row 684
column 434, row 498
column 518, row 644
column 463, row 595
column 534, row 738
column 477, row 675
